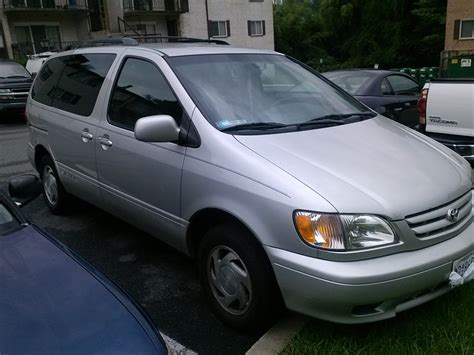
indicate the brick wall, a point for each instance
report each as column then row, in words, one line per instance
column 458, row 10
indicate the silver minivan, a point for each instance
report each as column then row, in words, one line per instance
column 282, row 186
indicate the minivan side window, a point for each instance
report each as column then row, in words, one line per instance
column 141, row 90
column 45, row 83
column 403, row 86
column 81, row 81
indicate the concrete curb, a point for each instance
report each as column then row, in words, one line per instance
column 276, row 339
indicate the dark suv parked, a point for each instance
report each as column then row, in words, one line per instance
column 15, row 83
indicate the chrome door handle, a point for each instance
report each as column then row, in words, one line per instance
column 398, row 109
column 105, row 142
column 86, row 135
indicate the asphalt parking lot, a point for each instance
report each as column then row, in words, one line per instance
column 161, row 279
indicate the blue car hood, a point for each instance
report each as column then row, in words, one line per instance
column 51, row 303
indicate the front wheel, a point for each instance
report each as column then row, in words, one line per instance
column 237, row 278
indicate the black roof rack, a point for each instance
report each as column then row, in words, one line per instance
column 175, row 39
column 120, row 41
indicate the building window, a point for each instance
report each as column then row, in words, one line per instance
column 467, row 29
column 219, row 28
column 256, row 28
column 38, row 38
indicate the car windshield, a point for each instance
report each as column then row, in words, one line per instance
column 13, row 70
column 260, row 91
column 8, row 222
column 349, row 81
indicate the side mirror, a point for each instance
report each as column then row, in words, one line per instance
column 159, row 129
column 24, row 189
column 33, row 75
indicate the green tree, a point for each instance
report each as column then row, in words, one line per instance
column 298, row 31
column 361, row 33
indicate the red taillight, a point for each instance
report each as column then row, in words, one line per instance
column 422, row 106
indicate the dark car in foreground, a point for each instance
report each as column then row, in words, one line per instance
column 15, row 83
column 53, row 302
column 390, row 93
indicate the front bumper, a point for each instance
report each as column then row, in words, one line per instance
column 15, row 107
column 367, row 290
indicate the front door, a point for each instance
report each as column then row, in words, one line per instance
column 140, row 182
column 170, row 5
column 172, row 26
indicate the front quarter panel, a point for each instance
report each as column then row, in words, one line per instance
column 224, row 174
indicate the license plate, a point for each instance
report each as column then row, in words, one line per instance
column 461, row 265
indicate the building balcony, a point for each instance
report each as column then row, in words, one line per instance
column 44, row 5
column 142, row 7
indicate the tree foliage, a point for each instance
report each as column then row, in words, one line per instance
column 329, row 34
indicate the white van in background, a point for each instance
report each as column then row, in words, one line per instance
column 35, row 62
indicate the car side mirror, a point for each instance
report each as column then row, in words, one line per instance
column 33, row 75
column 158, row 129
column 24, row 188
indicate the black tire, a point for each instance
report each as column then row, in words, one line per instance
column 59, row 203
column 265, row 303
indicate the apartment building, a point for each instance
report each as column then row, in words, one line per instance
column 35, row 26
column 460, row 26
column 457, row 59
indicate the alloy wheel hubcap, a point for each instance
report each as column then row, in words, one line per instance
column 229, row 280
column 50, row 185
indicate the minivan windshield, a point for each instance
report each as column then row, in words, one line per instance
column 13, row 70
column 263, row 92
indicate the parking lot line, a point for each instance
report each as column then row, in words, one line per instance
column 175, row 347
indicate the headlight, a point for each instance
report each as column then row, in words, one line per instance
column 5, row 91
column 342, row 232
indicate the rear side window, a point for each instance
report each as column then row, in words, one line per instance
column 141, row 90
column 403, row 86
column 386, row 88
column 45, row 83
column 80, row 82
column 351, row 82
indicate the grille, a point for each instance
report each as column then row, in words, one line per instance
column 18, row 94
column 20, row 97
column 434, row 222
column 21, row 90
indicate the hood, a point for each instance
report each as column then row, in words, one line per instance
column 15, row 83
column 51, row 303
column 373, row 166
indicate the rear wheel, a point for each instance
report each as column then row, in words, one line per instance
column 54, row 193
column 238, row 279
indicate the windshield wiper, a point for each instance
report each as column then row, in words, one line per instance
column 254, row 126
column 344, row 116
column 336, row 119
